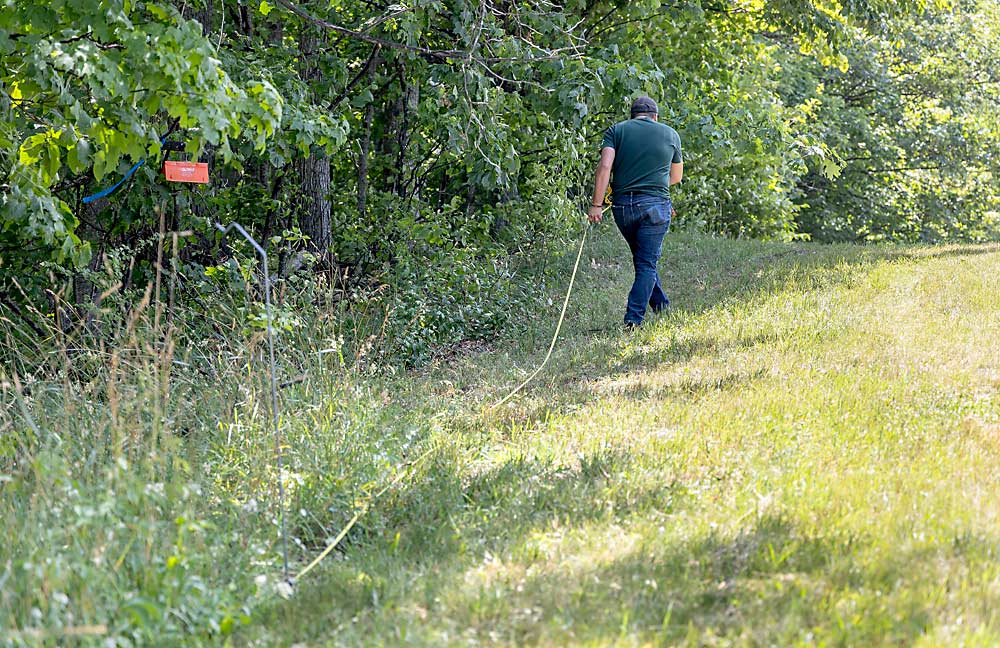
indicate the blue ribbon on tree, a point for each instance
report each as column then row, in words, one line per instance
column 113, row 188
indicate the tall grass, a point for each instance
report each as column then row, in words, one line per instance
column 138, row 483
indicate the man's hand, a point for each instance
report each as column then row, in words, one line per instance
column 601, row 178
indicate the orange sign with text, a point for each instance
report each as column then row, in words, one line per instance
column 196, row 172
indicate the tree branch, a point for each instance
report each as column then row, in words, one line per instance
column 374, row 40
column 466, row 55
column 898, row 169
column 369, row 64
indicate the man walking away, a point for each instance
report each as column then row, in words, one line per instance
column 642, row 159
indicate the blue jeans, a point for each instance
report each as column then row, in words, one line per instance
column 643, row 220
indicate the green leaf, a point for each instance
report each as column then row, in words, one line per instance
column 363, row 98
column 142, row 612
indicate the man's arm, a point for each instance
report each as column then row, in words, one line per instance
column 676, row 173
column 601, row 179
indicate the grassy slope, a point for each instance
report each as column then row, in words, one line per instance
column 804, row 452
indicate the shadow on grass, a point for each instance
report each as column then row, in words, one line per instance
column 770, row 584
column 950, row 251
column 509, row 500
column 447, row 521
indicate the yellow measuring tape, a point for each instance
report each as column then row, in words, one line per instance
column 555, row 336
column 409, row 467
column 358, row 514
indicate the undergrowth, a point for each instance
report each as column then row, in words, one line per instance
column 138, row 470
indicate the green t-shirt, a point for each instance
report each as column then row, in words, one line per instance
column 644, row 151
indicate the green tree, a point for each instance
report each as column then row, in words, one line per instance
column 914, row 119
column 87, row 89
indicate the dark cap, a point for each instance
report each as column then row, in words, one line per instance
column 644, row 106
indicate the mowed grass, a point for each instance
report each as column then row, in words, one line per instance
column 805, row 451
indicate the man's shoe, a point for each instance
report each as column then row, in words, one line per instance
column 630, row 327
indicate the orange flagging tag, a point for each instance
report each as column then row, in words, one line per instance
column 186, row 171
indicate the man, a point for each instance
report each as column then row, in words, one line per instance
column 642, row 158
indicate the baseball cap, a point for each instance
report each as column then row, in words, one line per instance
column 644, row 105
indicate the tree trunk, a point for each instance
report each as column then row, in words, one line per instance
column 410, row 102
column 313, row 174
column 314, row 190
